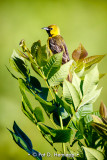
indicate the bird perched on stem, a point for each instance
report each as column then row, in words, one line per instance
column 56, row 43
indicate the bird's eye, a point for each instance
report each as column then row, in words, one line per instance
column 51, row 28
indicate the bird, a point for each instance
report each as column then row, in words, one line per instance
column 56, row 43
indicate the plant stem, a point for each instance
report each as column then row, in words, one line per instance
column 52, row 122
column 73, row 117
column 49, row 89
column 61, row 123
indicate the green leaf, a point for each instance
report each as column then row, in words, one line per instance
column 20, row 133
column 58, row 136
column 76, row 81
column 80, row 65
column 101, row 129
column 80, row 125
column 38, row 114
column 32, row 85
column 36, row 69
column 64, row 158
column 19, row 65
column 22, row 140
column 23, row 85
column 93, row 154
column 96, row 113
column 78, row 135
column 35, row 47
column 35, row 84
column 62, row 136
column 48, row 138
column 24, row 96
column 60, row 75
column 90, row 97
column 80, row 73
column 39, row 53
column 88, row 118
column 11, row 73
column 42, row 56
column 46, row 129
column 26, row 100
column 44, row 93
column 89, row 61
column 64, row 104
column 70, row 94
column 91, row 80
column 26, row 111
column 64, row 115
column 84, row 110
column 52, row 65
column 48, row 106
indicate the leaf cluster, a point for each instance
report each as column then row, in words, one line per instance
column 73, row 92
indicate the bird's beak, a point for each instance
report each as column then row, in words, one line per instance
column 46, row 28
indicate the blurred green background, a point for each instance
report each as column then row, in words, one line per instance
column 79, row 21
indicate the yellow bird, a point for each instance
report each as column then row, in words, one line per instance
column 56, row 43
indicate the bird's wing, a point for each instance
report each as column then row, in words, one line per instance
column 56, row 44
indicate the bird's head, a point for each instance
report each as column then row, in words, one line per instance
column 52, row 30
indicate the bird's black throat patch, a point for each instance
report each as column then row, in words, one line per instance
column 48, row 31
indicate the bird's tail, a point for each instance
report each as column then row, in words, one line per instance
column 65, row 57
